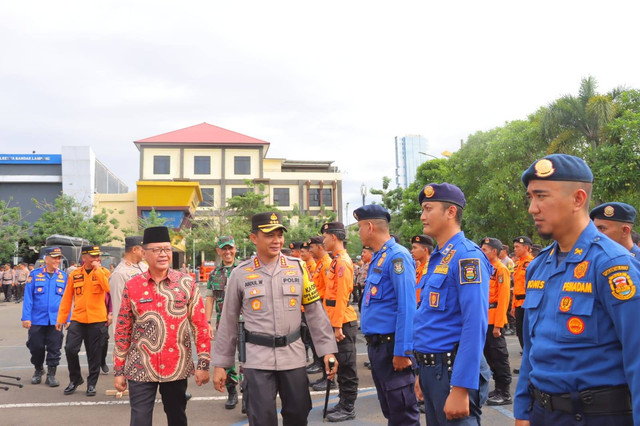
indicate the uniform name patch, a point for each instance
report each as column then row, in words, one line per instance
column 252, row 283
column 470, row 271
column 575, row 325
column 616, row 268
column 536, row 284
column 577, row 287
column 622, row 288
column 398, row 266
column 581, row 270
column 441, row 269
column 434, row 299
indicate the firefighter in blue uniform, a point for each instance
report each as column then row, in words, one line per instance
column 580, row 363
column 387, row 314
column 615, row 220
column 451, row 322
column 42, row 295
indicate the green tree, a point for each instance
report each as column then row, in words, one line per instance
column 12, row 230
column 68, row 217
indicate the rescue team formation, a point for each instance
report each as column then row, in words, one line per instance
column 434, row 319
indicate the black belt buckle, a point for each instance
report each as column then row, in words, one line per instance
column 586, row 397
column 280, row 341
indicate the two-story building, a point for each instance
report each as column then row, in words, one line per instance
column 221, row 161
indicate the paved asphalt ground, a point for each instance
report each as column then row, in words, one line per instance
column 41, row 405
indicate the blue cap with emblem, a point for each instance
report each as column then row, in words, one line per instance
column 371, row 211
column 443, row 192
column 561, row 167
column 619, row 212
column 53, row 251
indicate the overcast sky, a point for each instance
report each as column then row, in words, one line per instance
column 330, row 80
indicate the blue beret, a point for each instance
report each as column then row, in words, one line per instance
column 558, row 167
column 372, row 211
column 620, row 212
column 444, row 192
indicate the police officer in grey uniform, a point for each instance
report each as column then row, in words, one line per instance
column 270, row 290
column 130, row 266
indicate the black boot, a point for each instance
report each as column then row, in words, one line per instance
column 232, row 400
column 51, row 377
column 345, row 411
column 335, row 408
column 36, row 379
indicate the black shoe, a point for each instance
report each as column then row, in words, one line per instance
column 342, row 414
column 244, row 405
column 493, row 393
column 500, row 398
column 314, row 369
column 105, row 369
column 323, row 386
column 36, row 379
column 232, row 400
column 51, row 378
column 516, row 371
column 335, row 408
column 72, row 387
column 187, row 396
column 318, row 381
column 367, row 364
column 91, row 390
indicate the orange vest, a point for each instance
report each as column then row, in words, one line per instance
column 87, row 292
column 420, row 271
column 339, row 287
column 519, row 285
column 499, row 290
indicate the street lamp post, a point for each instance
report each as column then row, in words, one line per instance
column 363, row 191
column 346, row 215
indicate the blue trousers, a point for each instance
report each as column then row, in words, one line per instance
column 395, row 389
column 539, row 416
column 435, row 385
column 44, row 338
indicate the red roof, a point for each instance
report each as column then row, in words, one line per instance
column 203, row 133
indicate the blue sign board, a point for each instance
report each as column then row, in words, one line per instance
column 30, row 159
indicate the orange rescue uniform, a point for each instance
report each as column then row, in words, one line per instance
column 499, row 291
column 311, row 266
column 339, row 286
column 421, row 269
column 87, row 292
column 519, row 285
column 320, row 274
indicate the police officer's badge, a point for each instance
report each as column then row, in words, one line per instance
column 398, row 266
column 565, row 304
column 469, row 271
column 544, row 168
column 429, row 191
column 581, row 270
column 609, row 211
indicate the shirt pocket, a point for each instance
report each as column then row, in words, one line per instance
column 78, row 288
column 375, row 289
column 576, row 319
column 254, row 299
column 39, row 290
column 96, row 289
column 434, row 294
column 532, row 306
column 60, row 289
column 291, row 296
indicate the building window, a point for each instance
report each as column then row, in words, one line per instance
column 281, row 196
column 314, row 197
column 327, row 199
column 161, row 165
column 207, row 197
column 201, row 165
column 242, row 165
column 237, row 192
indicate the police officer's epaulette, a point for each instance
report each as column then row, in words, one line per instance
column 245, row 265
column 470, row 245
column 611, row 249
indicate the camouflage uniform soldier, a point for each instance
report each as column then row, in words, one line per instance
column 214, row 295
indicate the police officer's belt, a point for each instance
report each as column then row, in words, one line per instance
column 272, row 341
column 600, row 401
column 520, row 296
column 378, row 339
column 330, row 302
column 493, row 305
column 446, row 358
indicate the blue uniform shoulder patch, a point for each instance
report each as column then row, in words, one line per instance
column 398, row 266
column 470, row 271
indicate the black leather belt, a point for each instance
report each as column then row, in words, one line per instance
column 378, row 339
column 493, row 305
column 330, row 302
column 271, row 341
column 520, row 296
column 446, row 358
column 350, row 324
column 599, row 401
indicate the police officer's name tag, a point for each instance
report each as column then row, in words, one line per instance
column 470, row 271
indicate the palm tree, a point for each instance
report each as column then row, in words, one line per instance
column 573, row 122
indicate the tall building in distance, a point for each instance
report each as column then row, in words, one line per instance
column 410, row 153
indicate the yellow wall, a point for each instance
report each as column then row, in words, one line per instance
column 294, row 196
column 114, row 204
column 216, row 163
column 147, row 163
column 169, row 194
